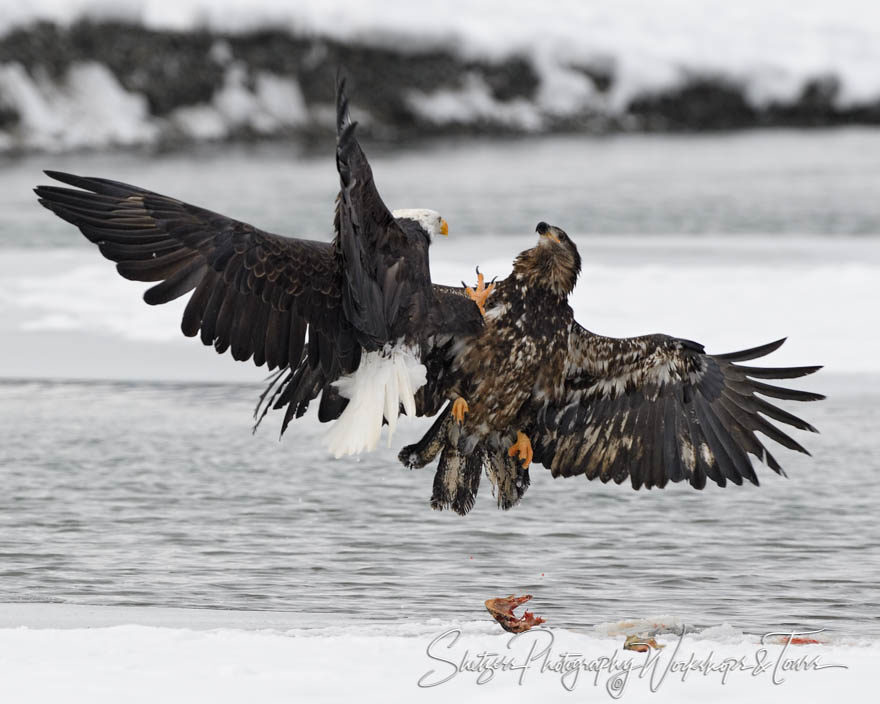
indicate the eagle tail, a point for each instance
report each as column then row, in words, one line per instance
column 384, row 381
column 457, row 480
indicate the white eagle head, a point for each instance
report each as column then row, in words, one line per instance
column 429, row 220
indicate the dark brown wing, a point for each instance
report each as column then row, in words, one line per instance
column 456, row 317
column 658, row 409
column 255, row 293
column 387, row 290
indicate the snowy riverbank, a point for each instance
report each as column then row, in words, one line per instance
column 73, row 301
column 233, row 656
column 82, row 75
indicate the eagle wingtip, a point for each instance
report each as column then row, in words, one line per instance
column 62, row 176
column 343, row 118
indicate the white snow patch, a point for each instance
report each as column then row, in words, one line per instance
column 282, row 99
column 564, row 90
column 642, row 626
column 273, row 103
column 621, row 292
column 21, row 93
column 474, row 103
column 88, row 107
column 237, row 105
column 385, row 663
column 92, row 298
column 100, row 111
column 725, row 633
column 201, row 122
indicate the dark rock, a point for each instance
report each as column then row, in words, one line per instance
column 814, row 107
column 510, row 79
column 42, row 44
column 170, row 68
column 702, row 103
column 9, row 116
column 601, row 74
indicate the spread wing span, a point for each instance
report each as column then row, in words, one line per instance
column 305, row 308
column 254, row 293
column 659, row 409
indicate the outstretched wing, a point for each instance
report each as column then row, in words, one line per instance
column 255, row 293
column 658, row 409
column 386, row 279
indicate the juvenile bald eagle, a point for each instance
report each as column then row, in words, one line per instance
column 535, row 386
column 351, row 318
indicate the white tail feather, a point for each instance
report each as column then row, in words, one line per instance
column 382, row 382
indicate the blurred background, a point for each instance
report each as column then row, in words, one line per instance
column 717, row 163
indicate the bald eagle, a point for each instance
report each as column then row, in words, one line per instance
column 350, row 320
column 535, row 386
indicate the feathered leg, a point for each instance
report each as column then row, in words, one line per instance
column 509, row 478
column 425, row 450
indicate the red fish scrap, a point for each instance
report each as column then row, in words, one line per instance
column 797, row 640
column 502, row 611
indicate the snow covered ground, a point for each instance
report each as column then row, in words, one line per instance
column 808, row 289
column 116, row 654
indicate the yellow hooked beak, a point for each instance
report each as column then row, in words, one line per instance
column 550, row 236
column 444, row 228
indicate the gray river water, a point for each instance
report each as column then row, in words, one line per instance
column 154, row 493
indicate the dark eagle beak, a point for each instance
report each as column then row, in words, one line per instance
column 444, row 228
column 547, row 231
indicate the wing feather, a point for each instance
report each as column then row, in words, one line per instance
column 659, row 409
column 257, row 294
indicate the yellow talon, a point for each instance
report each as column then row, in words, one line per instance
column 481, row 293
column 459, row 408
column 523, row 448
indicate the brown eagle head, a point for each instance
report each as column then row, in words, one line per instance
column 553, row 264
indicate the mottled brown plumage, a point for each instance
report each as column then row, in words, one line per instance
column 524, row 344
column 652, row 409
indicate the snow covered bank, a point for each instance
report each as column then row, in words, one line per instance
column 78, row 74
column 738, row 293
column 413, row 661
